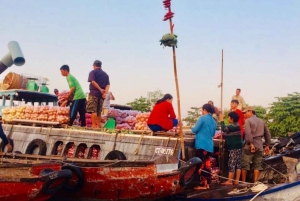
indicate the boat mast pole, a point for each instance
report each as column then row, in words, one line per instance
column 221, row 150
column 222, row 83
column 168, row 2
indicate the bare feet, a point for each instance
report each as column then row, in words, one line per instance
column 201, row 188
column 227, row 183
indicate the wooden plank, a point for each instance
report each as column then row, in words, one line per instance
column 35, row 122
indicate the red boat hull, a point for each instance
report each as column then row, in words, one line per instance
column 20, row 191
column 25, row 182
column 128, row 183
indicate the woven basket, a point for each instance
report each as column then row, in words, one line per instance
column 14, row 81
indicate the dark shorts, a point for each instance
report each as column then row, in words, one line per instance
column 256, row 158
column 94, row 105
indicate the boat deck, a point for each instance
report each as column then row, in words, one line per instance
column 216, row 192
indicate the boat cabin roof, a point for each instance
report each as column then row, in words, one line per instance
column 28, row 96
column 121, row 107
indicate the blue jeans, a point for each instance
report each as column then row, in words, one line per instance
column 155, row 127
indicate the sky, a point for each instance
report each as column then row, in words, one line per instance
column 260, row 40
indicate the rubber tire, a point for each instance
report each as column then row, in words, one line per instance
column 115, row 155
column 186, row 153
column 52, row 177
column 75, row 170
column 37, row 142
column 2, row 145
column 195, row 161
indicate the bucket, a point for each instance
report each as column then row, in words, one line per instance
column 44, row 89
column 110, row 124
column 14, row 81
column 32, row 86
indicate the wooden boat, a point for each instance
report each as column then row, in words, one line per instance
column 120, row 180
column 30, row 181
column 279, row 181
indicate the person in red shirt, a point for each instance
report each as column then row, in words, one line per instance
column 162, row 117
column 241, row 122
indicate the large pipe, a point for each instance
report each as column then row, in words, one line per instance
column 14, row 56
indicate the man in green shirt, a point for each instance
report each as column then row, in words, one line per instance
column 78, row 103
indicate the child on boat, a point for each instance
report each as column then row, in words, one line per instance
column 234, row 144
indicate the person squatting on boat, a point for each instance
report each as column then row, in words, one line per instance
column 204, row 130
column 255, row 130
column 4, row 138
column 99, row 86
column 78, row 101
column 162, row 117
column 234, row 144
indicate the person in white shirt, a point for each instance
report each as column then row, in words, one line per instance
column 237, row 96
column 106, row 103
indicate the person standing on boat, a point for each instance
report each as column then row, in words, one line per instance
column 76, row 94
column 237, row 96
column 4, row 138
column 162, row 116
column 204, row 130
column 217, row 111
column 234, row 107
column 56, row 92
column 106, row 103
column 234, row 144
column 99, row 86
column 255, row 130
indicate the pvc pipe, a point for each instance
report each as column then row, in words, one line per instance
column 2, row 67
column 14, row 56
column 16, row 53
column 7, row 60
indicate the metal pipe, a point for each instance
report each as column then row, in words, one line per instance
column 14, row 56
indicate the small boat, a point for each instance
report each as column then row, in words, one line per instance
column 34, row 181
column 121, row 179
column 280, row 181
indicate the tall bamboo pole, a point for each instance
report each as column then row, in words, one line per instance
column 177, row 92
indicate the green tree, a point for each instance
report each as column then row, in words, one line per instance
column 141, row 104
column 154, row 96
column 260, row 112
column 284, row 115
column 193, row 116
column 225, row 116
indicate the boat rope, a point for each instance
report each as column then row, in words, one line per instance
column 276, row 171
column 242, row 182
column 257, row 187
column 70, row 164
column 262, row 188
column 136, row 151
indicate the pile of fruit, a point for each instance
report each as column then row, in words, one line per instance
column 141, row 121
column 37, row 113
column 63, row 96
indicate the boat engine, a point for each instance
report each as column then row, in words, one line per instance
column 14, row 56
